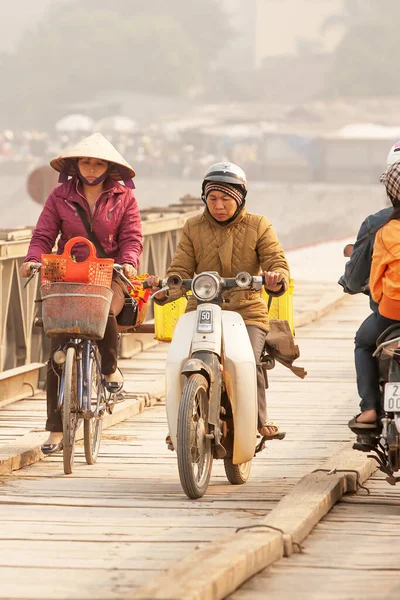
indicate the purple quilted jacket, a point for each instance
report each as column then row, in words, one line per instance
column 115, row 221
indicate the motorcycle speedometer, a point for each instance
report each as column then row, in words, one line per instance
column 205, row 287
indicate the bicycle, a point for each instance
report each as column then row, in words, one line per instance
column 82, row 392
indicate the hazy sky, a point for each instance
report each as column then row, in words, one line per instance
column 18, row 15
column 306, row 18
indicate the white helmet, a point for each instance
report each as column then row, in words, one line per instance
column 227, row 172
column 394, row 154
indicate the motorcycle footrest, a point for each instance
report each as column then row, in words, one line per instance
column 361, row 447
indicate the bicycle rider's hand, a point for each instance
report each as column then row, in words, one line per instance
column 129, row 271
column 273, row 281
column 25, row 269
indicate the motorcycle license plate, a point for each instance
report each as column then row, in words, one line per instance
column 204, row 321
column 392, row 397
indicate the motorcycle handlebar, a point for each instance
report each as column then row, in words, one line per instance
column 227, row 282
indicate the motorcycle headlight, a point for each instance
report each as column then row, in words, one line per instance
column 205, row 287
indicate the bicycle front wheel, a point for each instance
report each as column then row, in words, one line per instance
column 92, row 427
column 70, row 410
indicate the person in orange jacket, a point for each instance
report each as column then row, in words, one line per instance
column 385, row 291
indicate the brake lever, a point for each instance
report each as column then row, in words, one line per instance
column 31, row 276
column 120, row 271
column 163, row 289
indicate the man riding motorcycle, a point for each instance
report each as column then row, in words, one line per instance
column 356, row 280
column 226, row 238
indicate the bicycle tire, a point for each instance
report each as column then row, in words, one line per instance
column 92, row 427
column 69, row 410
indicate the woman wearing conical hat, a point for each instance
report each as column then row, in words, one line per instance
column 90, row 173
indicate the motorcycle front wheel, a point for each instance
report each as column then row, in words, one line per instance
column 194, row 449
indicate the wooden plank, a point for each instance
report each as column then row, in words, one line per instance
column 312, row 498
column 302, row 583
column 352, row 553
column 62, row 583
column 131, row 501
column 216, row 570
column 295, row 516
column 27, row 450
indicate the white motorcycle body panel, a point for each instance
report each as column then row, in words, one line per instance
column 241, row 382
column 230, row 337
column 185, row 341
column 202, row 340
column 178, row 353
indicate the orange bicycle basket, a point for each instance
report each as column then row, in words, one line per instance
column 63, row 268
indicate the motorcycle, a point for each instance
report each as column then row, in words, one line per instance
column 384, row 442
column 211, row 385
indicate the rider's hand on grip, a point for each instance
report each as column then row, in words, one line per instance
column 129, row 270
column 153, row 282
column 273, row 281
column 26, row 269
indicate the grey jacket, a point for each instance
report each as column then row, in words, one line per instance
column 357, row 269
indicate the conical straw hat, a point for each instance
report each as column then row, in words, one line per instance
column 94, row 146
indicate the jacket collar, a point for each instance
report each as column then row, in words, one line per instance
column 239, row 217
column 67, row 189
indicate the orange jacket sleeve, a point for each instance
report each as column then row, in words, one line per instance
column 378, row 268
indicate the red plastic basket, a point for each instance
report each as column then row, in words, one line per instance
column 62, row 267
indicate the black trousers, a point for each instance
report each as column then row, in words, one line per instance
column 367, row 365
column 108, row 350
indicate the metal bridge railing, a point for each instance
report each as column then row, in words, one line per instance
column 20, row 342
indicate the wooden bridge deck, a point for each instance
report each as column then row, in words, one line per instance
column 352, row 554
column 113, row 527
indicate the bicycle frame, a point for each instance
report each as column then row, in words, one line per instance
column 84, row 360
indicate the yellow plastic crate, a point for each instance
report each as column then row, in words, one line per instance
column 167, row 316
column 282, row 308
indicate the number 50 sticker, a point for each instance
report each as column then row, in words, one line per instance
column 205, row 321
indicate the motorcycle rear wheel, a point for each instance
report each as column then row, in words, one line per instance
column 237, row 474
column 194, row 449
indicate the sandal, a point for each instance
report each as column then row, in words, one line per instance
column 114, row 386
column 278, row 435
column 52, row 448
column 358, row 428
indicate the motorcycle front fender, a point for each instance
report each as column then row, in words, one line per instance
column 211, row 369
column 196, row 365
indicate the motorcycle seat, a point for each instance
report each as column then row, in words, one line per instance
column 390, row 333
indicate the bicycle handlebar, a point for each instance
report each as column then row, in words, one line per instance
column 35, row 266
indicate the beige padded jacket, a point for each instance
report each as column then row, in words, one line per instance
column 248, row 243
